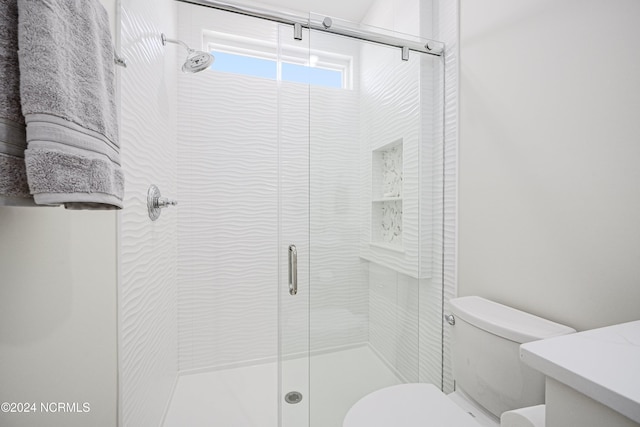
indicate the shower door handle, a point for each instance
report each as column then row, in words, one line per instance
column 293, row 270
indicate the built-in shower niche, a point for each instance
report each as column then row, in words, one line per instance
column 386, row 204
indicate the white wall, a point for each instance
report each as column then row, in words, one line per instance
column 148, row 250
column 403, row 16
column 58, row 312
column 549, row 157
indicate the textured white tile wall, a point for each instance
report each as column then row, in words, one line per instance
column 391, row 111
column 393, row 312
column 338, row 281
column 228, row 224
column 147, row 292
column 293, row 132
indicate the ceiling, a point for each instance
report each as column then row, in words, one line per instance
column 351, row 10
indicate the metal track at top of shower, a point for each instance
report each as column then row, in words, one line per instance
column 430, row 47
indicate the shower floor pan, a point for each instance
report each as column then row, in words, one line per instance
column 248, row 396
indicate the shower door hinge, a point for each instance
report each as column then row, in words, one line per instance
column 297, row 31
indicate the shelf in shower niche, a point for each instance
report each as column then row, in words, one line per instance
column 394, row 248
column 386, row 199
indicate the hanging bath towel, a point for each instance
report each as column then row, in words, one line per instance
column 67, row 89
column 14, row 190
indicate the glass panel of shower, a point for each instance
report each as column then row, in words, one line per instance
column 232, row 256
column 375, row 212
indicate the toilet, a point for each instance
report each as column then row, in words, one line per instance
column 488, row 375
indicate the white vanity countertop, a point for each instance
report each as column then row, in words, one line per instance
column 603, row 364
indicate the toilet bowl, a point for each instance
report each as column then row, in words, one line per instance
column 409, row 405
column 490, row 379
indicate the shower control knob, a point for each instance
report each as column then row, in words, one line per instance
column 163, row 202
column 155, row 202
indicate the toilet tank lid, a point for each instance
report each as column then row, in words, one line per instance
column 506, row 322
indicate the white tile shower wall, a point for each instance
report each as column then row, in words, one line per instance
column 319, row 213
column 391, row 111
column 339, row 314
column 147, row 292
column 228, row 227
column 393, row 319
column 293, row 107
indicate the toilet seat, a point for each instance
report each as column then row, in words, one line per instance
column 407, row 405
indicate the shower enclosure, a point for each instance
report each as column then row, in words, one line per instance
column 308, row 257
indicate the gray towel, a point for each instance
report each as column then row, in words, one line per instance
column 67, row 90
column 13, row 176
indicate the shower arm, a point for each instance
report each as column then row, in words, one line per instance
column 165, row 40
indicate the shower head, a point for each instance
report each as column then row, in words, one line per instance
column 196, row 60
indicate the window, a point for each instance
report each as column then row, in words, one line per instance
column 240, row 55
column 312, row 75
column 247, row 65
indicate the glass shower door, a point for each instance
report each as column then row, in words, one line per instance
column 360, row 232
column 374, row 204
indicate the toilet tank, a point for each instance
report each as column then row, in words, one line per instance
column 485, row 343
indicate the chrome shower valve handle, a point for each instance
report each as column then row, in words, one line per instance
column 155, row 202
column 163, row 202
